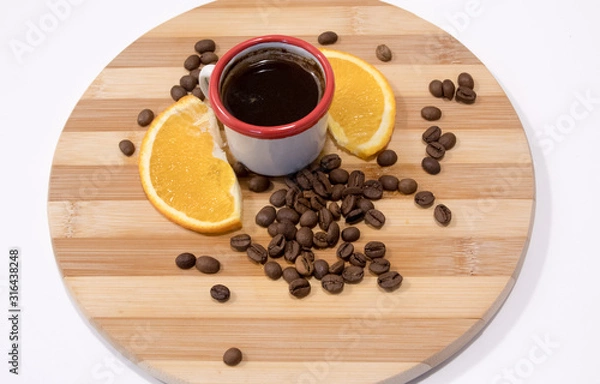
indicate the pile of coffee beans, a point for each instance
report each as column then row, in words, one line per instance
column 188, row 84
column 447, row 90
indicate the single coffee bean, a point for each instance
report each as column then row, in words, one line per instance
column 350, row 234
column 431, row 113
column 257, row 253
column 265, row 216
column 432, row 134
column 240, row 242
column 205, row 45
column 337, row 268
column 277, row 198
column 373, row 190
column 325, row 219
column 321, row 268
column 338, row 176
column 365, row 204
column 356, row 178
column 327, row 38
column 188, row 82
column 232, row 357
column 320, row 240
column 389, row 182
column 379, row 266
column 448, row 88
column 273, row 229
column 195, row 73
column 302, row 205
column 383, row 52
column 436, row 88
column 330, row 162
column 305, row 178
column 273, row 270
column 353, row 274
column 435, row 150
column 386, row 158
column 355, row 216
column 192, row 62
column 317, row 203
column 309, row 219
column 358, row 191
column 322, row 188
column 209, row 58
column 292, row 196
column 333, row 234
column 465, row 95
column 359, row 259
column 299, row 288
column 292, row 251
column 277, row 246
column 290, row 274
column 431, row 165
column 375, row 218
column 185, row 260
column 466, row 80
column 288, row 214
column 177, row 92
column 375, row 249
column 308, row 254
column 337, row 192
column 198, row 93
column 390, row 281
column 145, row 117
column 287, row 229
column 336, row 211
column 240, row 169
column 304, row 237
column 348, row 204
column 424, row 199
column 448, row 140
column 127, row 147
column 442, row 214
column 344, row 251
column 259, row 183
column 220, row 293
column 407, row 186
column 332, row 283
column 208, row 264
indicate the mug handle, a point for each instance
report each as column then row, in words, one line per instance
column 204, row 78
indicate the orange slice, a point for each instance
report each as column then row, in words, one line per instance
column 363, row 112
column 184, row 171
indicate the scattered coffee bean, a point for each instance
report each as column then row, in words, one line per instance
column 448, row 140
column 327, row 38
column 431, row 113
column 355, row 216
column 273, row 229
column 185, row 260
column 389, row 182
column 308, row 254
column 336, row 211
column 259, row 183
column 257, row 253
column 338, row 176
column 435, row 150
column 337, row 192
column 375, row 218
column 304, row 237
column 292, row 251
column 273, row 270
column 466, row 80
column 436, row 88
column 353, row 274
column 198, row 93
column 333, row 234
column 359, row 259
column 344, row 251
column 321, row 268
column 305, row 178
column 383, row 52
column 352, row 191
column 232, row 357
column 309, row 219
column 330, row 162
column 127, row 147
column 287, row 229
column 348, row 204
column 277, row 198
column 192, row 62
column 337, row 268
column 373, row 190
column 332, row 283
column 220, row 293
column 379, row 266
column 365, row 204
column 389, row 281
column 448, row 88
column 240, row 242
column 240, row 169
column 350, row 234
column 265, row 216
column 302, row 205
column 424, row 199
column 356, row 178
column 407, row 186
column 431, row 165
column 288, row 214
column 290, row 274
column 145, row 117
column 432, row 134
column 325, row 218
column 209, row 58
column 277, row 246
column 442, row 214
column 465, row 95
column 188, row 82
column 208, row 264
column 299, row 288
column 177, row 92
column 317, row 203
column 375, row 249
column 205, row 45
column 195, row 73
column 320, row 240
column 386, row 158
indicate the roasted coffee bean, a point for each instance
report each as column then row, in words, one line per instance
column 177, row 92
column 205, row 45
column 324, row 178
column 448, row 88
column 436, row 88
column 309, row 219
column 338, row 176
column 375, row 218
column 265, row 216
column 352, row 191
column 431, row 113
column 448, row 140
column 431, row 165
column 330, row 162
column 325, row 218
column 127, row 147
column 435, row 150
column 240, row 242
column 373, row 190
column 292, row 196
column 273, row 229
column 305, row 178
column 277, row 198
column 292, row 251
column 365, row 204
column 209, row 58
column 277, row 246
column 359, row 259
column 320, row 240
column 188, row 82
column 383, row 52
column 288, row 214
column 424, row 199
column 333, row 234
column 356, row 178
column 355, row 216
column 302, row 205
column 442, row 214
column 466, row 80
column 192, row 62
column 348, row 204
column 198, row 93
column 308, row 254
column 257, row 253
column 375, row 249
column 299, row 288
column 407, row 186
column 332, row 283
column 273, row 270
column 321, row 268
column 287, row 229
column 322, row 189
column 350, row 234
column 304, row 265
column 336, row 211
column 337, row 192
column 379, row 266
column 344, row 251
column 353, row 274
column 259, row 183
column 337, row 268
column 240, row 169
column 208, row 264
column 432, row 134
column 195, row 73
column 290, row 274
column 145, row 117
column 232, row 357
column 185, row 260
column 389, row 182
column 387, row 158
column 220, row 293
column 317, row 203
column 304, row 236
column 327, row 38
column 390, row 280
column 465, row 95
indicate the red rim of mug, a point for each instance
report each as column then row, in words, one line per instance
column 279, row 131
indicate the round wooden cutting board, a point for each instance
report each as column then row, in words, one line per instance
column 116, row 252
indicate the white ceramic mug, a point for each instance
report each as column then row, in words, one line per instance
column 272, row 150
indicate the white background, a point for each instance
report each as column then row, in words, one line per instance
column 546, row 55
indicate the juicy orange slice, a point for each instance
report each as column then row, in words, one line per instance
column 184, row 171
column 363, row 112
